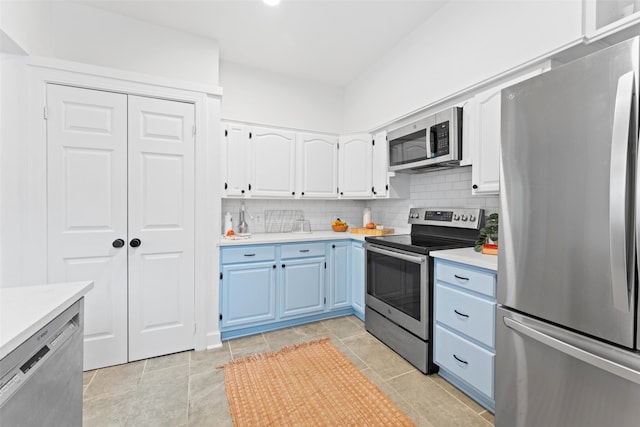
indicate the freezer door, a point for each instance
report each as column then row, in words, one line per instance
column 568, row 148
column 547, row 376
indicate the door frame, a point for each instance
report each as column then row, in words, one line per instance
column 31, row 150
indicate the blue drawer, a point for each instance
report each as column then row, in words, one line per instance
column 476, row 280
column 247, row 254
column 472, row 315
column 471, row 363
column 300, row 250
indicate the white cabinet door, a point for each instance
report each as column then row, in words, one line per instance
column 380, row 165
column 485, row 177
column 161, row 216
column 484, row 112
column 87, row 211
column 272, row 162
column 317, row 170
column 234, row 158
column 355, row 165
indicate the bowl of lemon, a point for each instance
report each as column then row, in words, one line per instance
column 339, row 225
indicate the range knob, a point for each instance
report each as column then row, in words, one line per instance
column 472, row 218
column 456, row 217
column 463, row 217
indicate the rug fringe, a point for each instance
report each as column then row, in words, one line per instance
column 270, row 354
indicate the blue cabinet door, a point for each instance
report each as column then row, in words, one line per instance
column 357, row 278
column 339, row 275
column 248, row 294
column 302, row 287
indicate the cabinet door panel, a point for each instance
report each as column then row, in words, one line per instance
column 234, row 158
column 380, row 165
column 317, row 165
column 302, row 287
column 355, row 166
column 272, row 162
column 340, row 280
column 357, row 277
column 248, row 294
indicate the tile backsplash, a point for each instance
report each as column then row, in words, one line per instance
column 450, row 188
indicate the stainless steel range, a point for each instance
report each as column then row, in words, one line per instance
column 399, row 278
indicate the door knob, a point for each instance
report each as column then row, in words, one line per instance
column 118, row 243
column 135, row 243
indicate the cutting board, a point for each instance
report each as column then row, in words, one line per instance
column 372, row 231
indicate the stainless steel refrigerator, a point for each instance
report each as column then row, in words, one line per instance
column 567, row 327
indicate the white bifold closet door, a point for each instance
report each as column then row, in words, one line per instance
column 120, row 174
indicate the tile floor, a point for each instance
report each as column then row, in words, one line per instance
column 186, row 389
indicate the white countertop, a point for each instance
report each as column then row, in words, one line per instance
column 26, row 309
column 263, row 238
column 468, row 256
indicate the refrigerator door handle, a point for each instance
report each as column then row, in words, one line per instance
column 575, row 352
column 618, row 192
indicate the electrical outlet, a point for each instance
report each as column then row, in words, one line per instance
column 257, row 219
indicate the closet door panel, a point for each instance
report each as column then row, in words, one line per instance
column 87, row 210
column 161, row 217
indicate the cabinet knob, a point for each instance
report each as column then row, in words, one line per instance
column 333, row 246
column 274, row 266
column 302, row 193
column 242, row 191
column 134, row 243
column 118, row 243
column 341, row 193
column 475, row 187
column 283, row 265
column 293, row 193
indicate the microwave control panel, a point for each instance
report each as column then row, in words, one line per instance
column 440, row 139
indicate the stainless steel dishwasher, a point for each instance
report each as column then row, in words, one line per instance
column 41, row 380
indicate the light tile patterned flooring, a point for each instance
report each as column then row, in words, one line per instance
column 186, row 389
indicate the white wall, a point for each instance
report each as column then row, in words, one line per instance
column 464, row 43
column 71, row 31
column 256, row 96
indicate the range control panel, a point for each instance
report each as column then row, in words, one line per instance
column 452, row 217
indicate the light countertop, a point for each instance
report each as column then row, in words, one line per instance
column 26, row 309
column 264, row 238
column 468, row 256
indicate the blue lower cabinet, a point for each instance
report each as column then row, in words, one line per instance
column 248, row 294
column 357, row 278
column 268, row 287
column 302, row 285
column 339, row 274
column 464, row 335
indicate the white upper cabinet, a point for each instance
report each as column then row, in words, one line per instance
column 606, row 17
column 355, row 166
column 380, row 163
column 234, row 158
column 317, row 165
column 272, row 172
column 482, row 135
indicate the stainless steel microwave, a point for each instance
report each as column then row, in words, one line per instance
column 431, row 142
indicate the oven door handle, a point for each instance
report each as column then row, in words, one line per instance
column 402, row 256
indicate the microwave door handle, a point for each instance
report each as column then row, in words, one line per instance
column 618, row 192
column 405, row 257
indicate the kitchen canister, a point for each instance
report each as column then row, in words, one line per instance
column 366, row 216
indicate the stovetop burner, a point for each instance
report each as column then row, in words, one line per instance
column 433, row 229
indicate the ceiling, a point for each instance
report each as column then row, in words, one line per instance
column 328, row 41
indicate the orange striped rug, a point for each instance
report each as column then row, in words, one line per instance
column 310, row 384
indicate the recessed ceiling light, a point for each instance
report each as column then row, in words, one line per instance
column 272, row 2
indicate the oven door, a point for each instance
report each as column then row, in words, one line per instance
column 398, row 287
